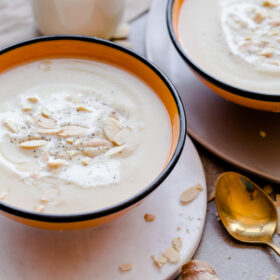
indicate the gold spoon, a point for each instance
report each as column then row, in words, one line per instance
column 247, row 212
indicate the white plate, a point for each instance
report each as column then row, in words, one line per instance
column 29, row 253
column 228, row 130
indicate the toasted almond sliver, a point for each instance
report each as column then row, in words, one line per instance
column 50, row 195
column 95, row 143
column 94, row 152
column 172, row 255
column 84, row 162
column 149, row 217
column 111, row 128
column 160, row 261
column 43, row 122
column 54, row 164
column 3, row 195
column 82, row 108
column 177, row 243
column 33, row 144
column 33, row 99
column 121, row 137
column 10, row 125
column 121, row 151
column 49, row 131
column 125, row 267
column 45, row 113
column 72, row 130
column 27, row 107
column 190, row 194
column 72, row 153
column 70, row 140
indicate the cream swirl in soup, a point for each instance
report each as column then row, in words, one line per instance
column 78, row 135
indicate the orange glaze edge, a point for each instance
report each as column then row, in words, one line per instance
column 240, row 100
column 68, row 48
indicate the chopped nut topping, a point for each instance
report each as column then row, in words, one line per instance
column 94, row 152
column 83, row 108
column 27, row 107
column 125, row 267
column 160, row 261
column 46, row 113
column 93, row 142
column 33, row 144
column 72, row 153
column 121, row 137
column 72, row 130
column 43, row 122
column 266, row 52
column 172, row 255
column 149, row 217
column 33, row 99
column 70, row 140
column 3, row 195
column 177, row 243
column 190, row 194
column 10, row 125
column 270, row 3
column 259, row 17
column 54, row 164
column 49, row 131
column 111, row 128
column 84, row 162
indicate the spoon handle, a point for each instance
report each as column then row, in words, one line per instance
column 274, row 247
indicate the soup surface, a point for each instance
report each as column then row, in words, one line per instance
column 78, row 135
column 236, row 41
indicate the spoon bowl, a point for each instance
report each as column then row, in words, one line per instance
column 247, row 212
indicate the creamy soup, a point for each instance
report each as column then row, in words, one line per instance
column 78, row 135
column 236, row 41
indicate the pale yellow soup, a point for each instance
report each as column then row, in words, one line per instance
column 236, row 41
column 78, row 135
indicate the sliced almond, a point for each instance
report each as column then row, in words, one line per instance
column 121, row 137
column 149, row 217
column 10, row 125
column 3, row 195
column 190, row 194
column 45, row 113
column 43, row 122
column 160, row 261
column 96, row 142
column 121, row 151
column 50, row 195
column 125, row 267
column 72, row 153
column 111, row 128
column 177, row 243
column 27, row 107
column 82, row 108
column 49, row 131
column 33, row 99
column 172, row 255
column 54, row 164
column 94, row 152
column 72, row 130
column 84, row 162
column 70, row 140
column 33, row 144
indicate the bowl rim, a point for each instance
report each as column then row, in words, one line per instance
column 216, row 82
column 91, row 215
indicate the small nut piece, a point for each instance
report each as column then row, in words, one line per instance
column 45, row 113
column 97, row 142
column 49, row 131
column 72, row 153
column 149, row 217
column 43, row 122
column 121, row 137
column 33, row 99
column 111, row 128
column 56, row 163
column 84, row 162
column 177, row 243
column 172, row 255
column 33, row 144
column 72, row 130
column 160, row 261
column 27, row 107
column 82, row 108
column 10, row 125
column 190, row 194
column 125, row 267
column 94, row 152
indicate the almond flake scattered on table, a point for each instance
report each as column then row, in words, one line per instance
column 177, row 243
column 149, row 217
column 172, row 255
column 160, row 261
column 125, row 267
column 190, row 194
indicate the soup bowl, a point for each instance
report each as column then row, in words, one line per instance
column 94, row 49
column 251, row 99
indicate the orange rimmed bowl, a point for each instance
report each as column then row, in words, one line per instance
column 107, row 52
column 255, row 100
